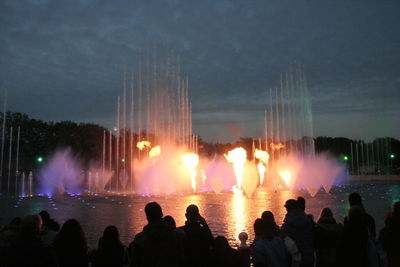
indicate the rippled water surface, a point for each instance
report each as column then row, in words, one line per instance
column 226, row 214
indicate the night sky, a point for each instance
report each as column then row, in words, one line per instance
column 64, row 60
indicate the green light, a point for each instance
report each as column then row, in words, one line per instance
column 39, row 159
column 346, row 158
column 392, row 156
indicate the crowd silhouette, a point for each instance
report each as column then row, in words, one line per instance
column 38, row 240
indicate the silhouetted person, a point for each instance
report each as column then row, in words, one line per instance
column 48, row 221
column 199, row 239
column 110, row 252
column 302, row 203
column 157, row 244
column 328, row 237
column 70, row 245
column 269, row 218
column 353, row 250
column 389, row 236
column 268, row 249
column 10, row 232
column 222, row 255
column 170, row 221
column 28, row 249
column 356, row 200
column 299, row 227
column 49, row 229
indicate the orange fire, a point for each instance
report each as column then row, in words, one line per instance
column 238, row 158
column 276, row 146
column 263, row 156
column 142, row 144
column 286, row 176
column 155, row 152
column 191, row 160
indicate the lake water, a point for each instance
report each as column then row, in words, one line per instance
column 227, row 214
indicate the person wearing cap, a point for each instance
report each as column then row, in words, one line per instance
column 199, row 239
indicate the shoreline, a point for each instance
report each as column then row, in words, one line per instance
column 374, row 178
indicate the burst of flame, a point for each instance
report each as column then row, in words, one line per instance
column 238, row 158
column 286, row 176
column 276, row 146
column 142, row 144
column 263, row 156
column 261, row 171
column 191, row 160
column 155, row 152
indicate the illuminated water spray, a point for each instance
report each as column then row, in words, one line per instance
column 238, row 158
column 263, row 156
column 191, row 160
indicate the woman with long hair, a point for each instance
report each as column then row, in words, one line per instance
column 70, row 245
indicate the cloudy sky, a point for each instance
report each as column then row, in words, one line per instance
column 64, row 60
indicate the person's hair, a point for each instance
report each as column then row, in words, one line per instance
column 169, row 221
column 153, row 212
column 31, row 225
column 326, row 213
column 355, row 199
column 243, row 236
column 192, row 212
column 291, row 204
column 110, row 238
column 268, row 216
column 71, row 235
column 259, row 228
column 301, row 202
column 221, row 243
column 45, row 216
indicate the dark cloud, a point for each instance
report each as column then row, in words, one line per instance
column 65, row 59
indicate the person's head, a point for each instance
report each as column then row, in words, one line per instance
column 355, row 199
column 301, row 202
column 243, row 237
column 153, row 212
column 45, row 216
column 169, row 221
column 326, row 213
column 71, row 235
column 110, row 237
column 31, row 225
column 259, row 228
column 221, row 243
column 192, row 213
column 291, row 204
column 268, row 216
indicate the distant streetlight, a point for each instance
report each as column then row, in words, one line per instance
column 123, row 160
column 392, row 156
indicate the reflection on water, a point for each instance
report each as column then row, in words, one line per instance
column 239, row 214
column 226, row 214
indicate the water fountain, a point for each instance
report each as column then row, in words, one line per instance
column 157, row 154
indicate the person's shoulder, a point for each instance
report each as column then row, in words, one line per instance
column 139, row 238
column 370, row 218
